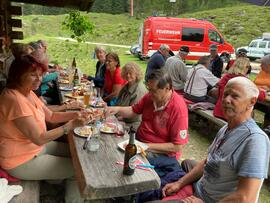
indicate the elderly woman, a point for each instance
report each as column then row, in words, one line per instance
column 199, row 80
column 133, row 91
column 240, row 67
column 113, row 80
column 263, row 82
column 100, row 67
column 263, row 78
column 27, row 149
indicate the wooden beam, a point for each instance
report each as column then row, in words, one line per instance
column 16, row 35
column 15, row 10
column 15, row 23
column 83, row 5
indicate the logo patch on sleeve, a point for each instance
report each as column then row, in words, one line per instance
column 183, row 134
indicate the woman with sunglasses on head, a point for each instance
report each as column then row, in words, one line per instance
column 28, row 150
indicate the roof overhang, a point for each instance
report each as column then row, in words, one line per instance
column 83, row 5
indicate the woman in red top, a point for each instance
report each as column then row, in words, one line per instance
column 113, row 80
column 239, row 68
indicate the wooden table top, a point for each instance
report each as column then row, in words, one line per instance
column 99, row 176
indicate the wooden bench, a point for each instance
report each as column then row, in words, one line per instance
column 208, row 114
column 30, row 193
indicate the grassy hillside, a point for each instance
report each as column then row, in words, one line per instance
column 238, row 24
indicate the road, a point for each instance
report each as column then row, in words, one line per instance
column 95, row 43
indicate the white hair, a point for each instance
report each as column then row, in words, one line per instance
column 164, row 47
column 265, row 60
column 250, row 89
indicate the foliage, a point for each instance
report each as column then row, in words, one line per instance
column 78, row 25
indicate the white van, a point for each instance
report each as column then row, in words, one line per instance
column 258, row 47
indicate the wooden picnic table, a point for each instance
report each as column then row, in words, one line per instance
column 98, row 175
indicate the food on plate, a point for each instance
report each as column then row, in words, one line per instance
column 85, row 131
column 108, row 128
column 98, row 103
column 96, row 113
column 63, row 81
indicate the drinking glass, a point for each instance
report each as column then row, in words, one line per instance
column 86, row 98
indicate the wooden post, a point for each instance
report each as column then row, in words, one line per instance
column 131, row 8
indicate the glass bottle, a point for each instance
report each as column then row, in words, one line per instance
column 94, row 142
column 130, row 154
column 76, row 78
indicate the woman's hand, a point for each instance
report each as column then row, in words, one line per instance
column 74, row 105
column 171, row 188
column 77, row 122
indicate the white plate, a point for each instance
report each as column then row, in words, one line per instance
column 110, row 130
column 77, row 131
column 65, row 88
column 124, row 143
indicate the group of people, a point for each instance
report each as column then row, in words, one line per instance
column 238, row 158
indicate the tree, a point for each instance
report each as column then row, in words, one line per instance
column 78, row 25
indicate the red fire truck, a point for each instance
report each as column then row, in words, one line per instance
column 198, row 35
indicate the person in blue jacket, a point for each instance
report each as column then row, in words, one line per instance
column 98, row 80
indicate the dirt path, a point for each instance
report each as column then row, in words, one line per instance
column 95, row 43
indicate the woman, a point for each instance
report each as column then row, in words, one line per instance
column 27, row 149
column 100, row 67
column 240, row 67
column 113, row 80
column 263, row 78
column 199, row 81
column 133, row 91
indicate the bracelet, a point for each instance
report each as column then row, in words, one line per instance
column 65, row 128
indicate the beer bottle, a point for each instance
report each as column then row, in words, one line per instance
column 74, row 65
column 130, row 154
column 76, row 78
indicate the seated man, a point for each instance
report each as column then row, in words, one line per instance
column 238, row 159
column 164, row 116
column 199, row 81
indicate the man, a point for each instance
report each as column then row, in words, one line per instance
column 157, row 60
column 238, row 159
column 216, row 63
column 199, row 81
column 177, row 69
column 164, row 116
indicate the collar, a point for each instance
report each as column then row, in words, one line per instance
column 132, row 88
column 156, row 109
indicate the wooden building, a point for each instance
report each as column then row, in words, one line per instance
column 10, row 24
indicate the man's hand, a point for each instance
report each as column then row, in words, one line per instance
column 171, row 188
column 192, row 199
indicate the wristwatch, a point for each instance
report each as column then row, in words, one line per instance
column 65, row 128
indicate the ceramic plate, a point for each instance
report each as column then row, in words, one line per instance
column 109, row 128
column 139, row 145
column 83, row 131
